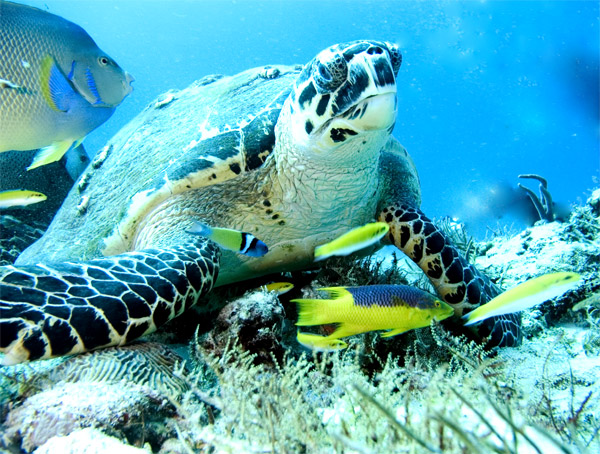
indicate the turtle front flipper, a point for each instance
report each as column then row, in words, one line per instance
column 459, row 283
column 72, row 307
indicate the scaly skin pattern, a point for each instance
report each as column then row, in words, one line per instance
column 64, row 308
column 459, row 283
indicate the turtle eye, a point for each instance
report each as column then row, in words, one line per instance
column 331, row 74
column 324, row 72
column 395, row 56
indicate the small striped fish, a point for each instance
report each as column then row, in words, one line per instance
column 234, row 240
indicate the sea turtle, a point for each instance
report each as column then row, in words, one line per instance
column 294, row 155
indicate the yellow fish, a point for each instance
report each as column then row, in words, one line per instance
column 279, row 287
column 524, row 296
column 353, row 241
column 20, row 198
column 396, row 308
column 56, row 85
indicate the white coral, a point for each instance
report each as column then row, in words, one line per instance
column 71, row 406
column 90, row 441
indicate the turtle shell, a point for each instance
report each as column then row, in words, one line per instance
column 214, row 130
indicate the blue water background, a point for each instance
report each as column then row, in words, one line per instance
column 487, row 90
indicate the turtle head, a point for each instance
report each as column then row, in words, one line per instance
column 345, row 94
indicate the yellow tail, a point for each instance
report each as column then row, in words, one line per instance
column 311, row 312
column 319, row 311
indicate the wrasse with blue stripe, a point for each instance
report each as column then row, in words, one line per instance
column 524, row 296
column 234, row 240
column 395, row 308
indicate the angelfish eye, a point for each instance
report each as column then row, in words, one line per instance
column 103, row 60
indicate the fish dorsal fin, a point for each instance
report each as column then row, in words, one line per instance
column 335, row 293
column 56, row 89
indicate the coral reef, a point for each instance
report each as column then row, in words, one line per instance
column 543, row 203
column 246, row 386
column 90, row 441
column 125, row 391
column 573, row 245
column 70, row 406
column 255, row 321
column 147, row 364
column 468, row 403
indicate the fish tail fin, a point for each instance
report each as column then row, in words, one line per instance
column 472, row 317
column 318, row 311
column 320, row 343
column 198, row 228
column 50, row 153
column 311, row 312
column 321, row 253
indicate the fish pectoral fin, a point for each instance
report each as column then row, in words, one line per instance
column 56, row 88
column 320, row 343
column 50, row 153
column 393, row 332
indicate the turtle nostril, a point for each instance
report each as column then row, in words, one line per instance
column 374, row 50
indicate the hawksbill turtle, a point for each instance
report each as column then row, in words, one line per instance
column 294, row 155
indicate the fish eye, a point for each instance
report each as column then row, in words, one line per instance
column 437, row 304
column 103, row 60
